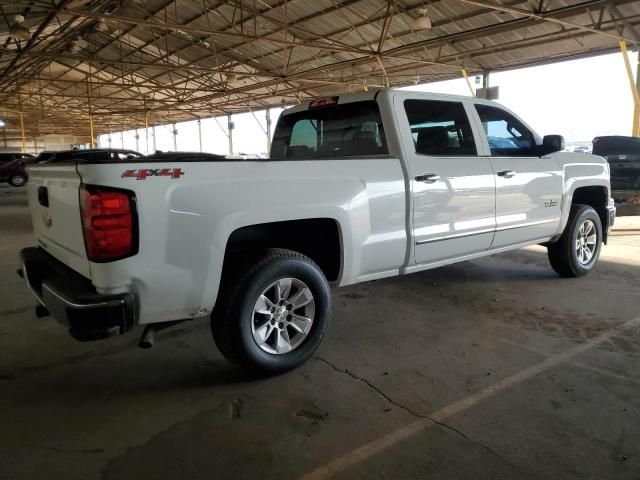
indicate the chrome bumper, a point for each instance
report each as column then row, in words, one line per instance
column 72, row 300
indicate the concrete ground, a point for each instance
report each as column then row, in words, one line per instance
column 494, row 368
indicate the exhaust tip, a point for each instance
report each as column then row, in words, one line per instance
column 41, row 311
column 148, row 337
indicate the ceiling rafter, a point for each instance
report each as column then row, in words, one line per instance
column 176, row 59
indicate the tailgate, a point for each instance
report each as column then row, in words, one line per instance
column 54, row 203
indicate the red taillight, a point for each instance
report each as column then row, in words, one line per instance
column 108, row 221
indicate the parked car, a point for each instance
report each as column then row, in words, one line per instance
column 12, row 168
column 87, row 155
column 623, row 155
column 358, row 187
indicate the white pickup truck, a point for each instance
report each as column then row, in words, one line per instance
column 358, row 187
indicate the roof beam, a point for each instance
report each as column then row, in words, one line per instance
column 545, row 18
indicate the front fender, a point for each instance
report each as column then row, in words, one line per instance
column 580, row 170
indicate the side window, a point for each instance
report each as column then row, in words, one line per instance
column 507, row 136
column 440, row 128
column 5, row 159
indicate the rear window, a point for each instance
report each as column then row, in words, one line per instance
column 352, row 129
column 7, row 157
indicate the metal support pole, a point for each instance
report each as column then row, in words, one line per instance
column 153, row 134
column 267, row 113
column 230, row 128
column 137, row 141
column 636, row 106
column 146, row 131
column 92, row 141
column 635, row 129
column 174, row 132
column 121, row 139
column 200, row 134
column 485, row 81
column 466, row 77
column 22, row 131
column 91, row 131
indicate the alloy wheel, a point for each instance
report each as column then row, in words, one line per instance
column 283, row 316
column 586, row 242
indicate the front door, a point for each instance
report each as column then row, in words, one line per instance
column 528, row 187
column 453, row 188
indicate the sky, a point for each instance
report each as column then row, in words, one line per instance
column 579, row 99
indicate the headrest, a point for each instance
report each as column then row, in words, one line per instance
column 432, row 141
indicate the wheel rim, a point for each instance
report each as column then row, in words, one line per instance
column 283, row 316
column 18, row 181
column 586, row 242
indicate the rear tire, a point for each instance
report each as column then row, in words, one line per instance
column 272, row 311
column 18, row 180
column 576, row 252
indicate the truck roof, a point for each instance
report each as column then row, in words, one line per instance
column 373, row 94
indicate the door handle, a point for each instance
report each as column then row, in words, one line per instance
column 428, row 178
column 507, row 173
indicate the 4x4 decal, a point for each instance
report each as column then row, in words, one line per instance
column 143, row 173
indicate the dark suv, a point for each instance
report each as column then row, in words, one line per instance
column 623, row 155
column 12, row 168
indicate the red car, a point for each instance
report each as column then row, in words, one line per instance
column 12, row 168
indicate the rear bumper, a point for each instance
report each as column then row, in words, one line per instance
column 627, row 201
column 73, row 301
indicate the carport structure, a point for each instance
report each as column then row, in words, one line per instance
column 89, row 67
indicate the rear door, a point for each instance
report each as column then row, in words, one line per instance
column 453, row 188
column 528, row 187
column 54, row 204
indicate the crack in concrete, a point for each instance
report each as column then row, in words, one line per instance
column 423, row 417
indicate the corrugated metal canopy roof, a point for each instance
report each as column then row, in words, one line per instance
column 180, row 59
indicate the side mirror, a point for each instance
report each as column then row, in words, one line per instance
column 553, row 143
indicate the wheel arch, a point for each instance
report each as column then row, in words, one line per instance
column 592, row 192
column 320, row 239
column 597, row 197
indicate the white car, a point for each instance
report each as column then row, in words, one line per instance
column 357, row 187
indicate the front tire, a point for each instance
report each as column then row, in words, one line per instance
column 272, row 312
column 576, row 252
column 18, row 180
